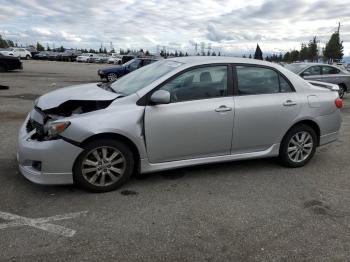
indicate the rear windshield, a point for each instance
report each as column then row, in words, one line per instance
column 296, row 68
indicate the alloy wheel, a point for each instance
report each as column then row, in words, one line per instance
column 300, row 147
column 103, row 166
column 112, row 77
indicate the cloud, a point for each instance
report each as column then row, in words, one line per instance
column 230, row 26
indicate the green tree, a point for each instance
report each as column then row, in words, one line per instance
column 294, row 55
column 40, row 47
column 147, row 53
column 304, row 52
column 286, row 57
column 219, row 54
column 313, row 50
column 3, row 43
column 10, row 43
column 213, row 54
column 186, row 54
column 61, row 49
column 258, row 53
column 334, row 49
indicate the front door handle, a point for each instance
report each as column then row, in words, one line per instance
column 289, row 103
column 223, row 109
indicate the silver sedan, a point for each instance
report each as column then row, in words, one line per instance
column 175, row 113
column 323, row 73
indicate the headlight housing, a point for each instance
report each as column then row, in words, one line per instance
column 56, row 128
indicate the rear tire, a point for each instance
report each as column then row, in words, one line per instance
column 342, row 90
column 298, row 146
column 3, row 68
column 104, row 165
column 27, row 57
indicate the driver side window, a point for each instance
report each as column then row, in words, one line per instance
column 199, row 83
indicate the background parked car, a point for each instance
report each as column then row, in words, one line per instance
column 8, row 63
column 86, row 58
column 68, row 55
column 43, row 55
column 17, row 52
column 100, row 59
column 112, row 73
column 114, row 59
column 323, row 73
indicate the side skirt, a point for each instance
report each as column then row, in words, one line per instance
column 147, row 167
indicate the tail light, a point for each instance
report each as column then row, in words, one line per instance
column 339, row 102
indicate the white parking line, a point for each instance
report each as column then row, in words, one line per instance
column 41, row 223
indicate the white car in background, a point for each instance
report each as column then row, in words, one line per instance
column 17, row 52
column 114, row 59
column 87, row 57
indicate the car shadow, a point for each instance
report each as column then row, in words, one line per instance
column 10, row 180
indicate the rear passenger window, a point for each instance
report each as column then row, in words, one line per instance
column 328, row 70
column 257, row 80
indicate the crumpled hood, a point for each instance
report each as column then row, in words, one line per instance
column 85, row 92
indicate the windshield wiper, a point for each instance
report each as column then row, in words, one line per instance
column 106, row 86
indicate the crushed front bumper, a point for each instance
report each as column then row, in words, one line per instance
column 45, row 162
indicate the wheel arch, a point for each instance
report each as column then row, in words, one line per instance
column 127, row 141
column 310, row 123
column 344, row 85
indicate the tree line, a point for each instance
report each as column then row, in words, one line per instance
column 333, row 51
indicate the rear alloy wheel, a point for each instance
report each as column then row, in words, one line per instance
column 341, row 91
column 298, row 146
column 103, row 166
column 111, row 77
column 27, row 57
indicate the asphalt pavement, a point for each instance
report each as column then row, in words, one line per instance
column 251, row 210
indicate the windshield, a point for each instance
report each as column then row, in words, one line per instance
column 130, row 62
column 142, row 77
column 296, row 68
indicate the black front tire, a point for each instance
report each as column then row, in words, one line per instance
column 79, row 178
column 284, row 157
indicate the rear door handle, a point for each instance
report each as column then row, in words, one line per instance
column 223, row 109
column 289, row 103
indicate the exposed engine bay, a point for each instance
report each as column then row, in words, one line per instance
column 40, row 119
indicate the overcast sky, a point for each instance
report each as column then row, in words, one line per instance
column 229, row 26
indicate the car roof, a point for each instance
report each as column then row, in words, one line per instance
column 312, row 64
column 193, row 60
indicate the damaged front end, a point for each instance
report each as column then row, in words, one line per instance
column 49, row 123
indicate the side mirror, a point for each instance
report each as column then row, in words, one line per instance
column 305, row 74
column 160, row 97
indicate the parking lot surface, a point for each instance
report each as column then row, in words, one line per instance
column 239, row 211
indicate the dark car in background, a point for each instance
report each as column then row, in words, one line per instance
column 68, row 56
column 8, row 63
column 112, row 73
column 43, row 55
